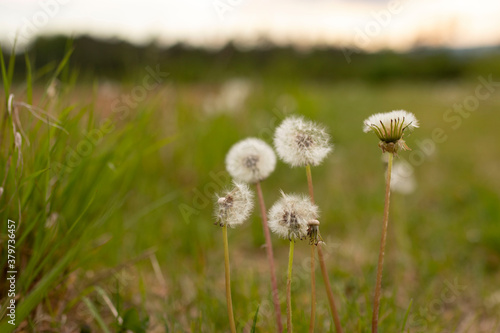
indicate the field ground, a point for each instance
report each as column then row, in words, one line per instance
column 147, row 185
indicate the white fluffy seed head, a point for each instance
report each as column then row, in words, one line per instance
column 289, row 217
column 250, row 160
column 235, row 206
column 301, row 142
column 390, row 126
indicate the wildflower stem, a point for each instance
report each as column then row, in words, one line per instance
column 289, row 290
column 313, row 290
column 322, row 265
column 310, row 182
column 228, row 281
column 329, row 293
column 270, row 258
column 378, row 286
column 313, row 276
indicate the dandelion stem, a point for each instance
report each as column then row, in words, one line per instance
column 378, row 286
column 289, row 290
column 322, row 265
column 228, row 281
column 310, row 182
column 270, row 258
column 313, row 290
column 329, row 293
column 313, row 276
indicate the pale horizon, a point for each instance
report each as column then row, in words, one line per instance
column 364, row 24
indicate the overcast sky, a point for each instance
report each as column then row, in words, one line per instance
column 367, row 24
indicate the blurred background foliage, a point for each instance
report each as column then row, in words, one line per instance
column 118, row 59
column 148, row 185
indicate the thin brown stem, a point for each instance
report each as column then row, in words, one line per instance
column 313, row 276
column 322, row 265
column 289, row 326
column 228, row 281
column 310, row 182
column 270, row 258
column 329, row 293
column 313, row 290
column 378, row 285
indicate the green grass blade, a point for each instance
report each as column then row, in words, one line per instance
column 59, row 69
column 160, row 144
column 5, row 80
column 82, row 214
column 406, row 316
column 254, row 324
column 34, row 298
column 96, row 315
column 62, row 64
column 33, row 176
column 12, row 62
column 29, row 80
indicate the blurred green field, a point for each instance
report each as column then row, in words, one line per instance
column 143, row 194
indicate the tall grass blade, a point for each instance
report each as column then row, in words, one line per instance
column 95, row 313
column 29, row 80
column 46, row 283
column 254, row 324
column 406, row 316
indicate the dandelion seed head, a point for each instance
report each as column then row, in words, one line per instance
column 250, row 160
column 390, row 128
column 300, row 142
column 235, row 206
column 313, row 232
column 290, row 215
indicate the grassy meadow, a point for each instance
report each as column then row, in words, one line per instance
column 113, row 201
